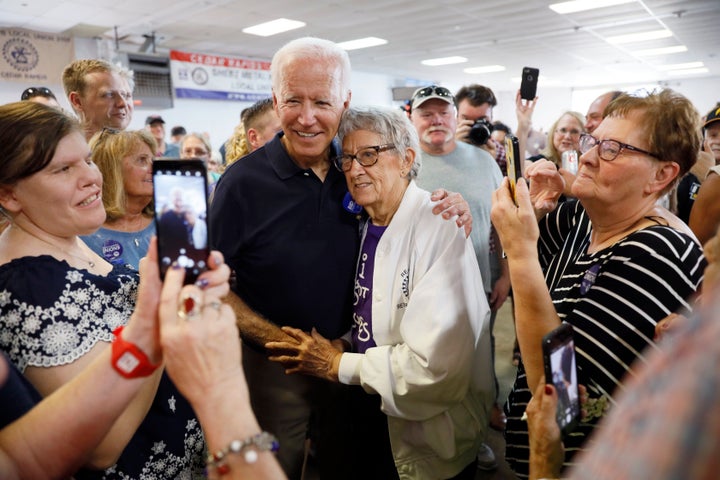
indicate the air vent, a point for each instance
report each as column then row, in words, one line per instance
column 153, row 83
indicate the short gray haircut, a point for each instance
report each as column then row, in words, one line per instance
column 312, row 48
column 392, row 125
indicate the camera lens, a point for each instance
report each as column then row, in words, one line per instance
column 529, row 78
column 480, row 132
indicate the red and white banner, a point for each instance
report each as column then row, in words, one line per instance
column 34, row 57
column 213, row 77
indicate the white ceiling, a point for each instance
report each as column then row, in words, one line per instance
column 570, row 50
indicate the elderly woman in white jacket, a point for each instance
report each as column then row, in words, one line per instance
column 419, row 346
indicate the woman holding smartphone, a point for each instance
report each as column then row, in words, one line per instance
column 612, row 264
column 62, row 304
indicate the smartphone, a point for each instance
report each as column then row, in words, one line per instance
column 528, row 84
column 514, row 167
column 561, row 371
column 180, row 195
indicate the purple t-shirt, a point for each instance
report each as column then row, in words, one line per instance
column 362, row 337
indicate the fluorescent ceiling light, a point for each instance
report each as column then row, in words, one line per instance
column 639, row 37
column 680, row 66
column 273, row 27
column 582, row 5
column 485, row 69
column 660, row 51
column 362, row 43
column 434, row 62
column 688, row 71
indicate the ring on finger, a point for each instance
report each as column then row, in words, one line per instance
column 215, row 305
column 189, row 306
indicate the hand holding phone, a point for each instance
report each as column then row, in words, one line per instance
column 180, row 195
column 561, row 371
column 514, row 165
column 528, row 83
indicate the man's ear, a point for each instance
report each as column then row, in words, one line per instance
column 75, row 101
column 252, row 138
column 8, row 201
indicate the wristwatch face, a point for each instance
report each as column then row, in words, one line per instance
column 127, row 362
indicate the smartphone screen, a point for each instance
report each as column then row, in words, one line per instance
column 514, row 167
column 528, row 83
column 180, row 194
column 561, row 371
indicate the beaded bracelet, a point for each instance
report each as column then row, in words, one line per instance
column 262, row 442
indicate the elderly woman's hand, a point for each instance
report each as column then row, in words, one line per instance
column 516, row 225
column 546, row 186
column 546, row 448
column 313, row 354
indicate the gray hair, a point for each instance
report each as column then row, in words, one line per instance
column 316, row 49
column 393, row 125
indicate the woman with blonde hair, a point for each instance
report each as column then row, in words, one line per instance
column 564, row 136
column 125, row 160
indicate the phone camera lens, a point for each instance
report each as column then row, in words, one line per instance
column 529, row 78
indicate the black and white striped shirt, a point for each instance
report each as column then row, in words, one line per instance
column 613, row 298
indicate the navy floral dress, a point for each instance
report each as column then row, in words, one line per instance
column 52, row 314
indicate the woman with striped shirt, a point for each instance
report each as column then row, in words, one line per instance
column 612, row 263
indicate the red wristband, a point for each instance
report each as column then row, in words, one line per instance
column 128, row 360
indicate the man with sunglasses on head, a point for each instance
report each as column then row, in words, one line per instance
column 100, row 93
column 472, row 172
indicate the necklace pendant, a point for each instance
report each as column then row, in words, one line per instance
column 92, row 264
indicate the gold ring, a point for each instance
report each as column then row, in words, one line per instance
column 189, row 306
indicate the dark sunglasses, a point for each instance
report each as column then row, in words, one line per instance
column 36, row 92
column 432, row 89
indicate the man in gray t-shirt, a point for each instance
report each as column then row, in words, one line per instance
column 464, row 168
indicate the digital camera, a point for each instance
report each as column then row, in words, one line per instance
column 480, row 132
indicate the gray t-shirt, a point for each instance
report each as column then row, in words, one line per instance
column 472, row 172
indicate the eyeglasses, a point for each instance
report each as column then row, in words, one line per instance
column 432, row 89
column 564, row 131
column 366, row 156
column 36, row 92
column 608, row 150
column 194, row 152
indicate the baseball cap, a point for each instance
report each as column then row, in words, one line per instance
column 713, row 116
column 424, row 94
column 154, row 119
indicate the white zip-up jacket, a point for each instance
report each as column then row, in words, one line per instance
column 432, row 364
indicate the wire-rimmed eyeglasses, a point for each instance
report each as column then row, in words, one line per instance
column 365, row 156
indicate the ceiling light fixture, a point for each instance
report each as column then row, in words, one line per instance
column 273, row 27
column 688, row 71
column 362, row 43
column 680, row 66
column 660, row 51
column 582, row 5
column 485, row 69
column 434, row 62
column 639, row 37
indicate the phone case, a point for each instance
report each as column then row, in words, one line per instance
column 561, row 371
column 528, row 83
column 514, row 166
